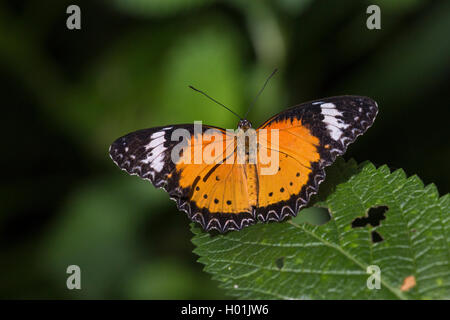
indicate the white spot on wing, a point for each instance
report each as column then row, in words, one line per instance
column 328, row 105
column 158, row 163
column 334, row 125
column 155, row 150
column 157, row 134
column 154, row 153
column 155, row 142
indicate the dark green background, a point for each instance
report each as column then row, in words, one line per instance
column 66, row 95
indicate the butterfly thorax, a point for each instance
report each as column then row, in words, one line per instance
column 244, row 124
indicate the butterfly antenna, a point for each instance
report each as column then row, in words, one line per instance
column 260, row 91
column 220, row 104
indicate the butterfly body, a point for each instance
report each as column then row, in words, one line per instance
column 244, row 124
column 240, row 187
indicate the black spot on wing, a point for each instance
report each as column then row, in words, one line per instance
column 210, row 172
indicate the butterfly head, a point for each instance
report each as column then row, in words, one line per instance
column 244, row 124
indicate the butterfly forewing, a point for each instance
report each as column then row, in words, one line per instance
column 311, row 135
column 213, row 194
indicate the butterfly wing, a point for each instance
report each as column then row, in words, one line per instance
column 226, row 195
column 311, row 136
column 214, row 194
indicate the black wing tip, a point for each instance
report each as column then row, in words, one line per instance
column 363, row 101
column 117, row 150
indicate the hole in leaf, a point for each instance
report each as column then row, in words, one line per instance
column 279, row 263
column 315, row 216
column 374, row 217
column 376, row 237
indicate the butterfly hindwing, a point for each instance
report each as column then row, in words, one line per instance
column 214, row 194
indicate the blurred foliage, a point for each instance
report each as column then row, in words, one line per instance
column 69, row 94
column 158, row 7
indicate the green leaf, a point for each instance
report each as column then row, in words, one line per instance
column 297, row 260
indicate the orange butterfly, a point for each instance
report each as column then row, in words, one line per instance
column 228, row 194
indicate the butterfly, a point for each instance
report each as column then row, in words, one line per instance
column 227, row 195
